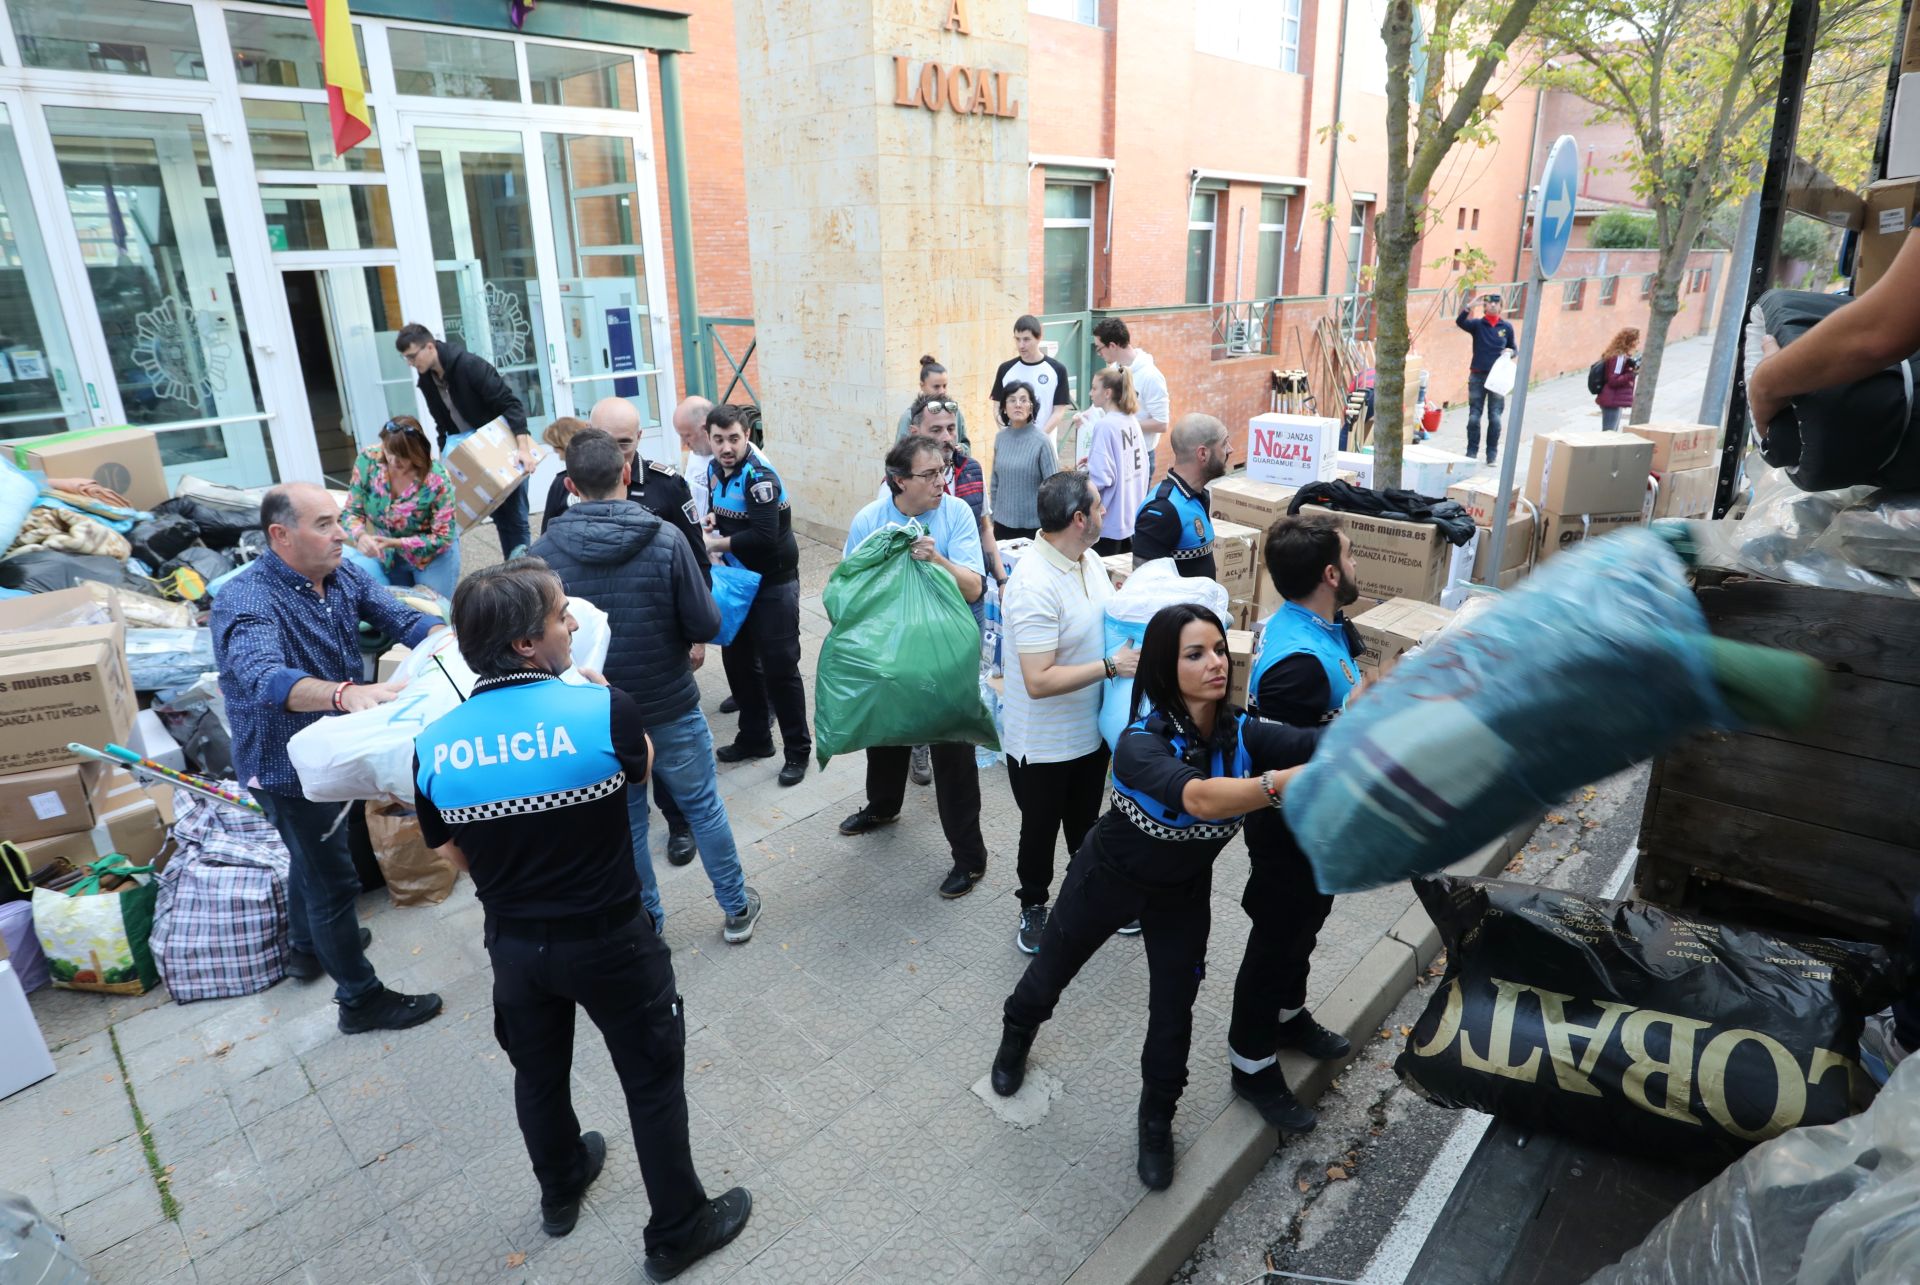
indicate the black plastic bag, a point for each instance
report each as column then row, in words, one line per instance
column 45, row 570
column 220, row 528
column 1865, row 433
column 161, row 539
column 1636, row 1028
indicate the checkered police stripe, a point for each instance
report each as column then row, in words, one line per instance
column 1155, row 830
column 1201, row 552
column 534, row 803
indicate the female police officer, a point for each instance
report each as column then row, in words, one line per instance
column 1184, row 774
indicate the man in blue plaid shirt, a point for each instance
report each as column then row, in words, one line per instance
column 286, row 638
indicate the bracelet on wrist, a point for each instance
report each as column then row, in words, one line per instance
column 1113, row 670
column 1272, row 789
column 338, row 706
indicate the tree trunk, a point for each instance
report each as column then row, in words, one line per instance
column 1395, row 255
column 1665, row 306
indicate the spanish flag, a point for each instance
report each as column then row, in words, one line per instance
column 346, row 91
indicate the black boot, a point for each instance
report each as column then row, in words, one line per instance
column 1156, row 1140
column 1010, row 1062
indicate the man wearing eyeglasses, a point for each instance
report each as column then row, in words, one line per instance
column 464, row 392
column 916, row 480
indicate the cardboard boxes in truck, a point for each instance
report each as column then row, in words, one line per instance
column 1247, row 500
column 1236, row 557
column 1687, row 493
column 1679, row 446
column 1589, row 472
column 1394, row 628
column 1394, row 559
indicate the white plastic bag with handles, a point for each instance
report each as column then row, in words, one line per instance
column 369, row 755
column 1500, row 378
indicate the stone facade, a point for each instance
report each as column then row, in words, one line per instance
column 877, row 231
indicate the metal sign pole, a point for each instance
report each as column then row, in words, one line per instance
column 1554, row 201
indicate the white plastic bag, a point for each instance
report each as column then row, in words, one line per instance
column 369, row 755
column 1152, row 585
column 1500, row 378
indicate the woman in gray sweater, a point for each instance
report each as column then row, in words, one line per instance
column 1022, row 459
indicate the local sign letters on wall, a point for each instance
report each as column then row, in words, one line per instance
column 966, row 91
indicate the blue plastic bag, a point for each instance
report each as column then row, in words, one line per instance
column 1594, row 663
column 734, row 588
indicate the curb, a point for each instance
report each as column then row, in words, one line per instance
column 1159, row 1233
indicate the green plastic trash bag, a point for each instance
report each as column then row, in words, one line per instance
column 902, row 663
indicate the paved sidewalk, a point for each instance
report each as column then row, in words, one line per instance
column 829, row 1063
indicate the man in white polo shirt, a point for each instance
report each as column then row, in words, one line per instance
column 1055, row 608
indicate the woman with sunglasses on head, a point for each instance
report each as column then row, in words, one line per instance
column 1023, row 458
column 1186, row 772
column 399, row 514
column 933, row 383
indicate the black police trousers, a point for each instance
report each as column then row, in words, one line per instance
column 763, row 669
column 1287, row 910
column 1094, row 903
column 623, row 977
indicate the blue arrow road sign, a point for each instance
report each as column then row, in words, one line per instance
column 1553, row 218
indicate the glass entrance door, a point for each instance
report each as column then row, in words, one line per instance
column 480, row 217
column 41, row 390
column 146, row 212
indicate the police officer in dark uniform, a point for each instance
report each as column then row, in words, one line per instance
column 524, row 785
column 1302, row 677
column 1185, row 772
column 1173, row 523
column 662, row 491
column 752, row 521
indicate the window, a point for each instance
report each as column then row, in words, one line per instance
column 1356, row 244
column 1476, row 220
column 1696, row 280
column 327, row 216
column 1087, row 11
column 1201, row 218
column 271, row 50
column 1646, row 286
column 1609, row 286
column 1460, row 223
column 1576, row 291
column 572, row 77
column 443, row 65
column 1269, row 277
column 1067, row 237
column 299, row 136
column 119, row 37
column 1264, row 32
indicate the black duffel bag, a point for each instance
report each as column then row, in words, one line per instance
column 1866, row 433
column 1635, row 1028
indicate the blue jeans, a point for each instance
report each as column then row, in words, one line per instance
column 440, row 575
column 683, row 762
column 510, row 519
column 322, row 886
column 1477, row 395
column 1611, row 418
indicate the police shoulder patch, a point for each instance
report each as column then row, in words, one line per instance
column 655, row 466
column 692, row 511
column 763, row 492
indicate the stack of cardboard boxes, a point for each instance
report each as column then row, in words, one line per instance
column 63, row 683
column 1480, row 497
column 1587, row 484
column 1392, row 629
column 1685, row 468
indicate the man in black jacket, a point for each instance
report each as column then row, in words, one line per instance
column 464, row 392
column 642, row 573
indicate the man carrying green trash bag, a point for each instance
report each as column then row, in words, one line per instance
column 902, row 665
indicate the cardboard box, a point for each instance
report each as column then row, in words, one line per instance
column 1589, row 472
column 1523, row 534
column 393, row 657
column 126, row 460
column 1426, row 470
column 1559, row 532
column 136, row 831
column 1903, row 143
column 1819, row 197
column 49, row 801
column 1292, row 450
column 1910, row 43
column 1119, row 566
column 1680, row 446
column 1236, row 557
column 1394, row 559
column 61, row 685
column 485, row 469
column 1688, row 493
column 1247, row 500
column 1891, row 207
column 1480, row 496
column 1394, row 628
column 1358, row 463
column 1240, row 658
column 1241, row 614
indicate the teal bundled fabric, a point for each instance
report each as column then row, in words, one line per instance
column 1598, row 660
column 902, row 663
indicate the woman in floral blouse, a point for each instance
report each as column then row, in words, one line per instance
column 399, row 513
